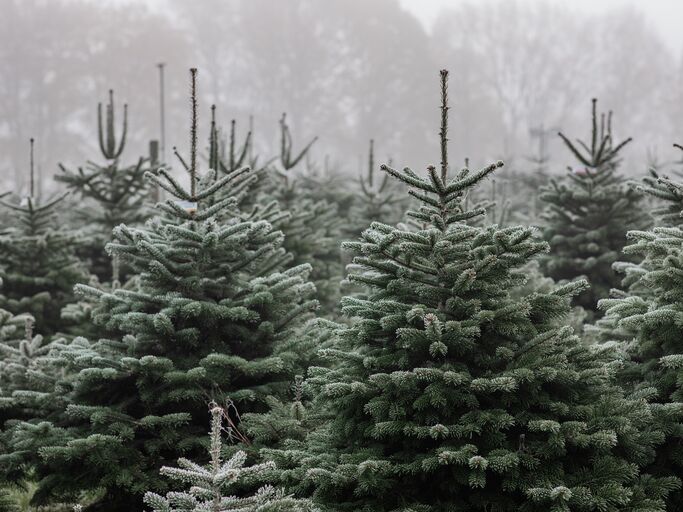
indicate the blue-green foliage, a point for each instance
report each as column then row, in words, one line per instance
column 589, row 213
column 448, row 393
column 38, row 263
column 212, row 307
column 646, row 318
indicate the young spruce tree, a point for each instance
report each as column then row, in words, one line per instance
column 205, row 324
column 32, row 391
column 313, row 229
column 645, row 318
column 208, row 484
column 667, row 192
column 38, row 263
column 114, row 194
column 589, row 214
column 450, row 394
column 376, row 201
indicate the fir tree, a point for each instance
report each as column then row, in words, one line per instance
column 32, row 389
column 589, row 213
column 376, row 201
column 208, row 484
column 452, row 394
column 668, row 195
column 226, row 155
column 20, row 350
column 16, row 352
column 207, row 321
column 326, row 181
column 116, row 194
column 291, row 417
column 312, row 227
column 38, row 263
column 668, row 192
column 643, row 318
column 538, row 176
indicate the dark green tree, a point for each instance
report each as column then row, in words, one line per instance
column 38, row 262
column 589, row 213
column 376, row 200
column 644, row 320
column 667, row 192
column 450, row 393
column 115, row 194
column 32, row 389
column 208, row 321
column 290, row 200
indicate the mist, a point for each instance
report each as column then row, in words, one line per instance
column 345, row 71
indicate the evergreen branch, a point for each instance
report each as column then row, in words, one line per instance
column 408, row 177
column 470, row 180
column 575, row 151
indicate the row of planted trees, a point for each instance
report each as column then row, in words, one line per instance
column 448, row 379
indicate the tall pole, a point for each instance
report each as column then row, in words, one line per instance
column 162, row 111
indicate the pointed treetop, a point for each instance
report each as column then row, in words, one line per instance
column 447, row 207
column 368, row 184
column 235, row 158
column 443, row 133
column 106, row 130
column 602, row 152
column 193, row 133
column 213, row 141
column 37, row 216
column 184, row 202
column 31, row 171
column 286, row 145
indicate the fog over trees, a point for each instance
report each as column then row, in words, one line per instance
column 340, row 69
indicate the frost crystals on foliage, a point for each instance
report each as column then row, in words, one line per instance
column 209, row 483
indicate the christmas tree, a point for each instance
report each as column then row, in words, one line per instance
column 207, row 322
column 643, row 318
column 20, row 350
column 668, row 195
column 589, row 213
column 38, row 263
column 208, row 484
column 16, row 353
column 452, row 394
column 667, row 192
column 312, row 227
column 376, row 201
column 32, row 389
column 116, row 194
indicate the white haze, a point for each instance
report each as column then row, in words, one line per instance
column 344, row 70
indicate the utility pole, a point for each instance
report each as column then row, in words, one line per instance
column 541, row 133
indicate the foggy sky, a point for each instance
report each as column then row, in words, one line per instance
column 343, row 70
column 666, row 16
